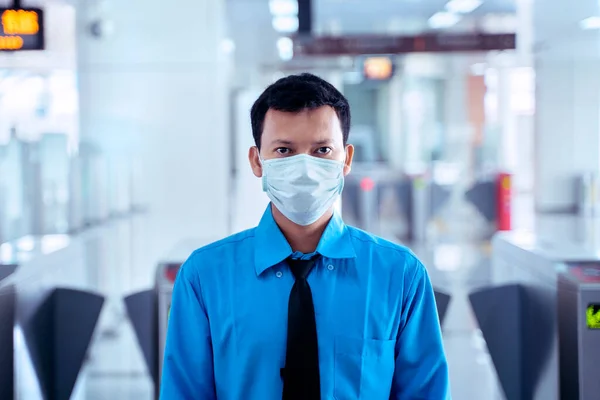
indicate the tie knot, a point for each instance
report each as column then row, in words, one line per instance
column 301, row 268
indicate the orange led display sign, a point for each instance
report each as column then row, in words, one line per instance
column 378, row 68
column 21, row 29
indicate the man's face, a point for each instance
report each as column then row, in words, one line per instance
column 315, row 132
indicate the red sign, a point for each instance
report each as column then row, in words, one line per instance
column 504, row 201
column 371, row 44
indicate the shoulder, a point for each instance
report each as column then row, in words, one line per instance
column 217, row 252
column 226, row 244
column 387, row 253
column 364, row 239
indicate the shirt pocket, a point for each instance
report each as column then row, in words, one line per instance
column 363, row 368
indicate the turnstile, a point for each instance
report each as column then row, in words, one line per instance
column 391, row 204
column 579, row 331
column 483, row 195
column 442, row 301
column 532, row 317
column 149, row 314
column 7, row 270
column 7, row 318
column 148, row 310
column 45, row 327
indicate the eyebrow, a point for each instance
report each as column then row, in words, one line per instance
column 284, row 142
column 323, row 142
column 289, row 142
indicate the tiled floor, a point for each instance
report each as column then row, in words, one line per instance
column 117, row 265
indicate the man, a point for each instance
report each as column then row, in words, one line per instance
column 302, row 306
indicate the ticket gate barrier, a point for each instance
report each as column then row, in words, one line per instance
column 143, row 314
column 483, row 195
column 148, row 310
column 7, row 318
column 392, row 204
column 518, row 335
column 534, row 317
column 427, row 199
column 7, row 270
column 442, row 301
column 378, row 200
column 47, row 317
column 149, row 314
column 57, row 327
column 579, row 331
column 7, row 324
column 492, row 197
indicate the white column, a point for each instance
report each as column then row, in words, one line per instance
column 155, row 90
column 567, row 127
column 587, row 115
column 567, row 124
column 456, row 124
column 508, row 157
column 395, row 148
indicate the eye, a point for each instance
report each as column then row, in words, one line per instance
column 283, row 150
column 324, row 150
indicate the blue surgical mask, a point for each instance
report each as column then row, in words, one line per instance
column 303, row 187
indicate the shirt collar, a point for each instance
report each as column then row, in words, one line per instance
column 272, row 247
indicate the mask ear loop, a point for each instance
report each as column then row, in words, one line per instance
column 344, row 163
column 264, row 175
column 260, row 159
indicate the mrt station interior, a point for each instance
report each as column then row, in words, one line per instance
column 124, row 137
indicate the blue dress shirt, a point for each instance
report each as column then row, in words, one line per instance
column 377, row 323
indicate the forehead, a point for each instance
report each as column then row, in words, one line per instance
column 307, row 125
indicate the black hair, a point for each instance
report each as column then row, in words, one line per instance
column 296, row 93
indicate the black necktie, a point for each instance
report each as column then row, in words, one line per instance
column 301, row 379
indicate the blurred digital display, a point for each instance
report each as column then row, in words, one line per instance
column 378, row 68
column 587, row 273
column 592, row 315
column 22, row 29
column 380, row 45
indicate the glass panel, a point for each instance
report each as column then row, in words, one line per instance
column 38, row 133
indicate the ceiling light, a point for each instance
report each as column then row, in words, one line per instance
column 443, row 20
column 285, row 24
column 463, row 6
column 285, row 48
column 590, row 23
column 283, row 7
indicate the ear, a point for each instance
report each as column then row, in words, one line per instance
column 254, row 158
column 349, row 157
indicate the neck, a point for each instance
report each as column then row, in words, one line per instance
column 304, row 239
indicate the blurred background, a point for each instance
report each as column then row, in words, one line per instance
column 124, row 131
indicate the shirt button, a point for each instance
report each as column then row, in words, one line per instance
column 279, row 274
column 330, row 267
